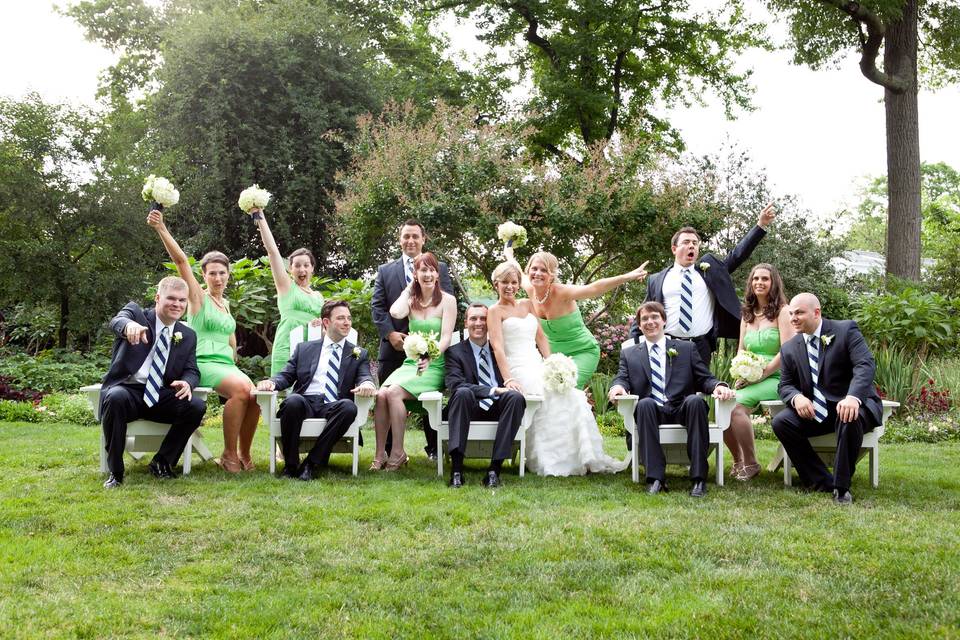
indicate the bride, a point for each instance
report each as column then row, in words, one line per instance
column 563, row 439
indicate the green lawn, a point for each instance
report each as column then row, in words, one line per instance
column 401, row 555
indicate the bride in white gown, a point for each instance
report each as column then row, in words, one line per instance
column 564, row 439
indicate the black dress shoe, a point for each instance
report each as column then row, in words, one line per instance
column 456, row 479
column 160, row 469
column 113, row 482
column 657, row 486
column 843, row 498
column 432, row 456
column 306, row 471
column 699, row 489
column 492, row 480
column 290, row 471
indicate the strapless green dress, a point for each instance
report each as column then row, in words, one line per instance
column 406, row 374
column 569, row 335
column 214, row 353
column 765, row 343
column 297, row 309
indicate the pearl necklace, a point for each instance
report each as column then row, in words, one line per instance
column 545, row 297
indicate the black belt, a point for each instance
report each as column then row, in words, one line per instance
column 693, row 339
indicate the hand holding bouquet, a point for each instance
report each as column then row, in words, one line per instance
column 160, row 192
column 422, row 348
column 253, row 197
column 747, row 366
column 559, row 373
column 512, row 235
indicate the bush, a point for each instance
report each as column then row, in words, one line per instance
column 598, row 387
column 610, row 336
column 896, row 376
column 12, row 411
column 917, row 321
column 9, row 391
column 611, row 424
column 55, row 370
column 67, row 407
column 257, row 367
column 910, row 428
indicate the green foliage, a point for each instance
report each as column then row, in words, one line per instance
column 256, row 367
column 12, row 411
column 910, row 428
column 945, row 372
column 897, row 370
column 610, row 424
column 55, row 370
column 67, row 407
column 598, row 387
column 908, row 318
column 32, row 327
column 722, row 357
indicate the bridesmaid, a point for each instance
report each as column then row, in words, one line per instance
column 555, row 304
column 764, row 326
column 209, row 315
column 430, row 309
column 299, row 304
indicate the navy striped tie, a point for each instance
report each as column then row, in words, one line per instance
column 332, row 380
column 408, row 268
column 657, row 380
column 819, row 401
column 686, row 301
column 484, row 378
column 151, row 393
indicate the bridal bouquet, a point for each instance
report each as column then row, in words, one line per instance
column 748, row 366
column 559, row 373
column 160, row 192
column 253, row 198
column 513, row 235
column 422, row 346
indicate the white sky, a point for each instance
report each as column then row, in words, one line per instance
column 816, row 133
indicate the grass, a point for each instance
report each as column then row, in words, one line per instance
column 401, row 555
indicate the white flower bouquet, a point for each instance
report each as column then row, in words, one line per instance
column 559, row 373
column 160, row 192
column 748, row 366
column 253, row 197
column 512, row 235
column 422, row 346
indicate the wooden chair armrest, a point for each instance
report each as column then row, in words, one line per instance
column 723, row 409
column 432, row 402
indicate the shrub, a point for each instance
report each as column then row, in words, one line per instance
column 611, row 424
column 896, row 376
column 930, row 400
column 55, row 370
column 911, row 319
column 8, row 391
column 12, row 411
column 598, row 387
column 257, row 367
column 910, row 428
column 610, row 337
column 946, row 372
column 67, row 407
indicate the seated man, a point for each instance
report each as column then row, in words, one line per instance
column 477, row 393
column 667, row 374
column 326, row 374
column 826, row 383
column 152, row 375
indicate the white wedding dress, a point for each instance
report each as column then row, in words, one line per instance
column 564, row 439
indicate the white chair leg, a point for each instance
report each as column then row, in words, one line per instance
column 635, row 456
column 187, row 455
column 523, row 453
column 441, row 451
column 875, row 465
column 719, row 464
column 103, row 453
column 273, row 453
column 787, row 477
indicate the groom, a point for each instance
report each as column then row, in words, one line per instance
column 667, row 374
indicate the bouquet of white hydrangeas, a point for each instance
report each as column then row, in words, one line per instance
column 512, row 235
column 422, row 346
column 160, row 192
column 559, row 373
column 253, row 198
column 748, row 366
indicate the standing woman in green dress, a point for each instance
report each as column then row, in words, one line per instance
column 764, row 326
column 299, row 304
column 430, row 309
column 209, row 315
column 555, row 304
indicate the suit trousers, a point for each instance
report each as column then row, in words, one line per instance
column 297, row 408
column 124, row 403
column 692, row 414
column 384, row 369
column 464, row 407
column 794, row 431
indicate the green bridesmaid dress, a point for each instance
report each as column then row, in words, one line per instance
column 765, row 343
column 297, row 309
column 569, row 335
column 214, row 353
column 406, row 374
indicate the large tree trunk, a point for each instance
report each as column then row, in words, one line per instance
column 64, row 318
column 903, row 148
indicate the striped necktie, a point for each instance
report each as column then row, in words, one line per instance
column 333, row 375
column 657, row 381
column 408, row 268
column 686, row 300
column 151, row 393
column 484, row 377
column 819, row 401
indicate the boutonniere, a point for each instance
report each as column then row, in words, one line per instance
column 355, row 353
column 826, row 340
column 671, row 352
column 177, row 337
column 704, row 265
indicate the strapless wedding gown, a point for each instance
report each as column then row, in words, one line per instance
column 563, row 439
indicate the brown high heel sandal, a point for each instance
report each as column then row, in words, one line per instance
column 749, row 471
column 395, row 465
column 246, row 464
column 229, row 465
column 377, row 464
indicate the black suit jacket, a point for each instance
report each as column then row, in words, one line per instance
column 302, row 366
column 685, row 373
column 128, row 358
column 461, row 370
column 390, row 282
column 726, row 316
column 846, row 368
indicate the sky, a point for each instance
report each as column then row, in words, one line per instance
column 817, row 134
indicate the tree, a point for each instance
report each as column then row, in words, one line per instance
column 821, row 30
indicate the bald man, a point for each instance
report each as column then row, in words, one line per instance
column 826, row 381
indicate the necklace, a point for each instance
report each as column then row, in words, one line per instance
column 546, row 296
column 220, row 305
column 307, row 290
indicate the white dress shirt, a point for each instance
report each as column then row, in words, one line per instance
column 318, row 384
column 140, row 377
column 702, row 303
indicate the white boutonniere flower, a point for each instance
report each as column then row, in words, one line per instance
column 704, row 265
column 671, row 352
column 355, row 353
column 177, row 337
column 826, row 340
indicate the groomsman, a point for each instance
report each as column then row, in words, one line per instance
column 477, row 393
column 667, row 374
column 698, row 292
column 826, row 381
column 392, row 278
column 325, row 375
column 152, row 376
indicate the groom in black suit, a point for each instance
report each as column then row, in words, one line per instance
column 826, row 383
column 698, row 292
column 392, row 278
column 152, row 376
column 478, row 393
column 667, row 374
column 325, row 375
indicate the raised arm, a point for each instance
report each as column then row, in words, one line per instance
column 599, row 287
column 280, row 278
column 449, row 320
column 524, row 279
column 401, row 306
column 195, row 295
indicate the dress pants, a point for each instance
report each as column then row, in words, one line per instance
column 464, row 407
column 691, row 413
column 124, row 403
column 297, row 408
column 794, row 431
column 384, row 369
